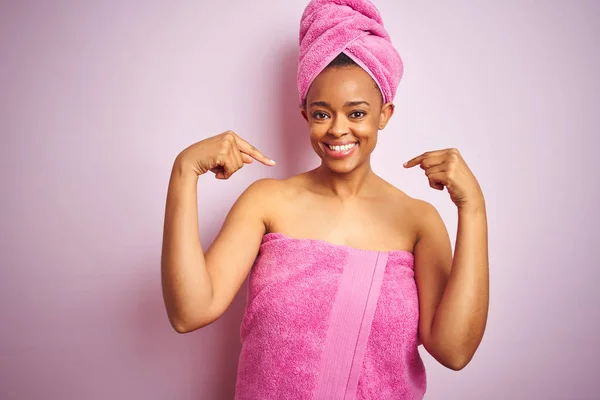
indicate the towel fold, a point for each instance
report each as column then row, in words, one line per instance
column 354, row 27
column 325, row 321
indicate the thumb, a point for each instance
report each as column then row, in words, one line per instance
column 246, row 158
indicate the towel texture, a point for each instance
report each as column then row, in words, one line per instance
column 325, row 321
column 354, row 27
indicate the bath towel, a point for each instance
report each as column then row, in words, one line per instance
column 354, row 27
column 326, row 322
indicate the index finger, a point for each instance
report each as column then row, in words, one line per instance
column 417, row 160
column 247, row 148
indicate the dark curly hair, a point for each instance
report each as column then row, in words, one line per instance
column 342, row 60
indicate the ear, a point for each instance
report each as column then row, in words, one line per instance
column 303, row 112
column 387, row 110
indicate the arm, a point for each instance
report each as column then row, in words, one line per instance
column 453, row 293
column 198, row 287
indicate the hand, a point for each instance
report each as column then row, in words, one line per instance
column 222, row 154
column 447, row 168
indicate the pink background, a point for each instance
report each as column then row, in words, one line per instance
column 97, row 99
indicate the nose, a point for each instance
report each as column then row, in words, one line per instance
column 339, row 126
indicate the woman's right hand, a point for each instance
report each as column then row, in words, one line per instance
column 222, row 154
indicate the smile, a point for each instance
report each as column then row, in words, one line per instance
column 342, row 148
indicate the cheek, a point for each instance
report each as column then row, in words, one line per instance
column 315, row 140
column 317, row 131
column 367, row 130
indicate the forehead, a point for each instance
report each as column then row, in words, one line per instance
column 338, row 85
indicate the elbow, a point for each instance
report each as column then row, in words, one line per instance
column 458, row 358
column 457, row 363
column 188, row 325
column 182, row 327
column 454, row 360
column 185, row 318
column 450, row 357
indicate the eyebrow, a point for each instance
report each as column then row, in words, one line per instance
column 347, row 104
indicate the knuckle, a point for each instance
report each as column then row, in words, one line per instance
column 229, row 136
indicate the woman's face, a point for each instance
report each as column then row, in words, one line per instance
column 344, row 111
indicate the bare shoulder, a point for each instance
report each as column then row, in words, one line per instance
column 259, row 194
column 267, row 195
column 428, row 220
column 423, row 214
column 261, row 188
column 402, row 200
column 423, row 209
column 271, row 190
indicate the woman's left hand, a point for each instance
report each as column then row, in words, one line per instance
column 446, row 168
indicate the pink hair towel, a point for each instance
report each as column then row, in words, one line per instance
column 354, row 27
column 329, row 322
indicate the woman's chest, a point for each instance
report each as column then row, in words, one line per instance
column 372, row 225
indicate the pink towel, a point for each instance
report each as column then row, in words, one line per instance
column 330, row 322
column 355, row 27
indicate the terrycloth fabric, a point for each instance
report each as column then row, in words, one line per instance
column 330, row 322
column 355, row 27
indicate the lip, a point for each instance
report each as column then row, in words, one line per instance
column 340, row 154
column 340, row 143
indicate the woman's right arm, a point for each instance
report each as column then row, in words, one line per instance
column 198, row 287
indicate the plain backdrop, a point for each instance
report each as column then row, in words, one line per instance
column 97, row 98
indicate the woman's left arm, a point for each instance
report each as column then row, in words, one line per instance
column 453, row 291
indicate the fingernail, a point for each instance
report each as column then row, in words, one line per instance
column 405, row 164
column 273, row 161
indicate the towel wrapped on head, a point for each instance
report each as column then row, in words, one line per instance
column 354, row 27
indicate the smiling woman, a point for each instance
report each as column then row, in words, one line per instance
column 348, row 274
column 345, row 99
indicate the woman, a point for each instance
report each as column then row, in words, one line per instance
column 348, row 275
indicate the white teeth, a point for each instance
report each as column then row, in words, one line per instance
column 345, row 147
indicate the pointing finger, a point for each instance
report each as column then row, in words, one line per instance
column 432, row 161
column 250, row 150
column 417, row 160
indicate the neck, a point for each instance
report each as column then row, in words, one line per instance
column 347, row 184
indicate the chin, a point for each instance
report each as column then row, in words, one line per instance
column 340, row 167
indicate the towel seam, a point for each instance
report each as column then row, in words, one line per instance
column 362, row 322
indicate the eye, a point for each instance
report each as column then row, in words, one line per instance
column 319, row 115
column 358, row 114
